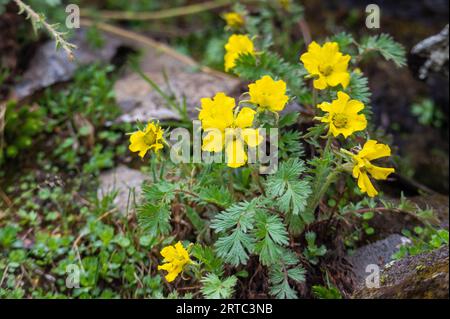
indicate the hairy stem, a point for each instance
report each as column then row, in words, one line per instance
column 37, row 19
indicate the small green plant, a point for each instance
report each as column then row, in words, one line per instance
column 82, row 109
column 321, row 292
column 22, row 124
column 423, row 239
column 312, row 252
column 427, row 113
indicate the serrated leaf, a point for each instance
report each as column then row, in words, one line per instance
column 215, row 288
column 154, row 219
column 387, row 47
column 271, row 234
column 235, row 243
column 286, row 188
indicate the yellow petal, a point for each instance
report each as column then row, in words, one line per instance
column 213, row 141
column 372, row 150
column 320, row 83
column 237, row 45
column 171, row 276
column 169, row 253
column 366, row 185
column 380, row 173
column 235, row 154
column 168, row 267
column 337, row 78
column 325, row 106
column 354, row 106
column 245, row 117
column 182, row 251
column 252, row 137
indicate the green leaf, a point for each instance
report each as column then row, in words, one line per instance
column 345, row 40
column 358, row 89
column 321, row 292
column 195, row 219
column 154, row 219
column 270, row 235
column 210, row 262
column 285, row 187
column 215, row 288
column 235, row 243
column 159, row 193
column 312, row 251
column 281, row 273
column 290, row 146
column 215, row 194
column 387, row 47
column 288, row 119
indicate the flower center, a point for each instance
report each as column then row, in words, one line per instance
column 149, row 138
column 326, row 70
column 340, row 120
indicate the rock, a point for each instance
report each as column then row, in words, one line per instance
column 176, row 75
column 126, row 182
column 378, row 253
column 50, row 66
column 435, row 51
column 424, row 276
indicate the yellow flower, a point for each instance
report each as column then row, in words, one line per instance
column 327, row 65
column 224, row 126
column 342, row 115
column 269, row 94
column 149, row 139
column 237, row 45
column 217, row 112
column 285, row 4
column 363, row 166
column 176, row 257
column 234, row 20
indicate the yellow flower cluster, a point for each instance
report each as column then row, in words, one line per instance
column 227, row 125
column 237, row 45
column 176, row 258
column 148, row 139
column 329, row 68
column 234, row 20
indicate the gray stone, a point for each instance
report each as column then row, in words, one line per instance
column 50, row 66
column 126, row 182
column 436, row 51
column 378, row 253
column 176, row 78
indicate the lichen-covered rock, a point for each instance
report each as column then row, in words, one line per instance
column 422, row 276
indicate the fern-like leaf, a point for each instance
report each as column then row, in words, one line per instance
column 215, row 288
column 235, row 243
column 271, row 234
column 154, row 219
column 387, row 47
column 285, row 187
